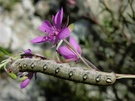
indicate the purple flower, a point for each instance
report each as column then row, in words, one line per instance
column 27, row 81
column 68, row 53
column 29, row 75
column 54, row 31
column 28, row 52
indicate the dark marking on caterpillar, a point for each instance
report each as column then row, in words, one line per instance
column 64, row 71
column 85, row 76
column 70, row 74
column 108, row 80
column 26, row 55
column 32, row 65
column 98, row 78
column 44, row 67
column 57, row 70
column 25, row 65
column 20, row 66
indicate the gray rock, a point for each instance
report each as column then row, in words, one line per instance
column 10, row 91
column 42, row 8
column 28, row 6
column 81, row 29
column 5, row 35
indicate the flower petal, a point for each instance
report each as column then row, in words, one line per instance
column 62, row 35
column 74, row 43
column 28, row 51
column 67, row 53
column 27, row 81
column 24, row 83
column 65, row 32
column 58, row 19
column 39, row 39
column 46, row 27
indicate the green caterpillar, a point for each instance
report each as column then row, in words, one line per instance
column 64, row 71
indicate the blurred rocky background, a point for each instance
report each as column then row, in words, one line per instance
column 105, row 30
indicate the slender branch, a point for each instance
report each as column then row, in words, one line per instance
column 124, row 76
column 91, row 64
column 77, row 54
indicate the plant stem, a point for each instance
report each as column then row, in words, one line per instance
column 90, row 64
column 124, row 76
column 77, row 54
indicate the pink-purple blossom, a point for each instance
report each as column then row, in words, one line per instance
column 25, row 82
column 55, row 31
column 68, row 53
column 28, row 52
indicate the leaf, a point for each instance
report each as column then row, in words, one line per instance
column 12, row 75
column 2, row 65
column 4, row 51
column 22, row 78
column 71, row 27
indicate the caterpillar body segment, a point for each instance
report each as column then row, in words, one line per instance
column 63, row 71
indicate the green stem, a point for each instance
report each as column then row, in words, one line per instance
column 124, row 76
column 3, row 64
column 6, row 61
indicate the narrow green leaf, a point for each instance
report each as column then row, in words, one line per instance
column 12, row 75
column 22, row 78
column 4, row 51
column 2, row 65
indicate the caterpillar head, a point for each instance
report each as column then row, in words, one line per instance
column 16, row 75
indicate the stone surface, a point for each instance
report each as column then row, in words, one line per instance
column 17, row 25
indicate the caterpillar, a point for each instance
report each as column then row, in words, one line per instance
column 63, row 71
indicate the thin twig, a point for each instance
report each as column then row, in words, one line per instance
column 124, row 76
column 77, row 54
